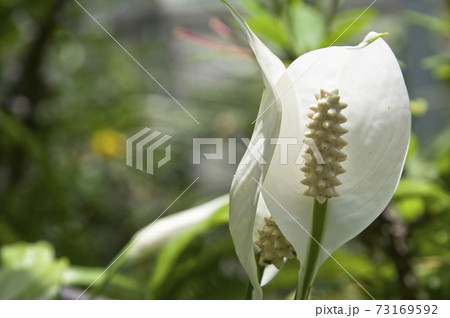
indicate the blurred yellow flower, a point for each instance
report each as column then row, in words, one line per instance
column 108, row 143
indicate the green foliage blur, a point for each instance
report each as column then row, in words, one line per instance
column 70, row 96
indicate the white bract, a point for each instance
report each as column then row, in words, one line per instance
column 367, row 125
column 161, row 232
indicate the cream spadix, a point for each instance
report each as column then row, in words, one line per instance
column 325, row 130
column 360, row 122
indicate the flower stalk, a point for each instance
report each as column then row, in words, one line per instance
column 260, row 270
column 318, row 227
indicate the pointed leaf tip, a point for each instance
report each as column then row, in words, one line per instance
column 370, row 37
column 231, row 8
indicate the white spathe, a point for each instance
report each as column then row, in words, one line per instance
column 244, row 195
column 155, row 235
column 370, row 81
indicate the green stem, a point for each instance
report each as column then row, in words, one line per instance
column 260, row 271
column 319, row 215
column 111, row 271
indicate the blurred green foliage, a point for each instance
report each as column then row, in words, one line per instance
column 297, row 27
column 69, row 97
column 30, row 271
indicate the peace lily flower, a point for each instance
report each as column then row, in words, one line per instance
column 353, row 103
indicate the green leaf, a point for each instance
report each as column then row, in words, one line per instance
column 84, row 276
column 331, row 283
column 408, row 188
column 440, row 64
column 30, row 271
column 254, row 8
column 19, row 133
column 270, row 28
column 443, row 163
column 307, row 27
column 429, row 22
column 20, row 285
column 170, row 253
column 413, row 147
column 348, row 23
column 411, row 208
column 440, row 145
column 162, row 233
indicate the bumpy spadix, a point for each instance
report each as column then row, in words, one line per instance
column 325, row 130
column 274, row 246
